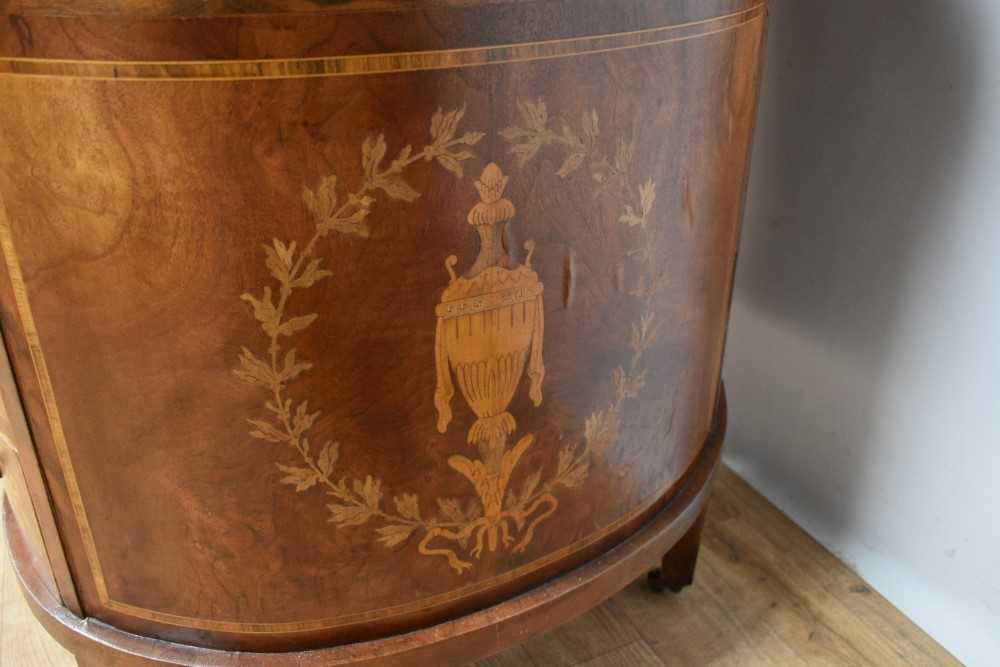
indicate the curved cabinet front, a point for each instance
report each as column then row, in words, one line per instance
column 335, row 322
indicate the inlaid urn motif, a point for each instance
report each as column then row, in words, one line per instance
column 489, row 330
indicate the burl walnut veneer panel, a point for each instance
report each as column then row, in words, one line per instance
column 331, row 322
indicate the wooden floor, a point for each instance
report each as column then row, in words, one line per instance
column 766, row 594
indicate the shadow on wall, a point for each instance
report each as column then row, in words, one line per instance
column 864, row 122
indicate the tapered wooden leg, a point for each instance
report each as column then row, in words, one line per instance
column 677, row 570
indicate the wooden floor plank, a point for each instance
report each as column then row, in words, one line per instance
column 748, row 582
column 585, row 639
column 667, row 622
column 766, row 594
column 820, row 580
column 751, row 611
column 23, row 642
column 636, row 654
column 515, row 657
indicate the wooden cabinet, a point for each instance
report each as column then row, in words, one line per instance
column 361, row 332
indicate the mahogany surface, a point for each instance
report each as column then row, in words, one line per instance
column 334, row 322
column 455, row 642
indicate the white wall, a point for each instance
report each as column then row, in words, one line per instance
column 864, row 355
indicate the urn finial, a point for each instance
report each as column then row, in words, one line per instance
column 491, row 184
column 494, row 208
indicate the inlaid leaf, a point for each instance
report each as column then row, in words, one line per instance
column 397, row 188
column 309, row 198
column 647, row 195
column 570, row 137
column 571, row 164
column 644, row 334
column 304, row 420
column 445, row 124
column 623, row 155
column 577, row 475
column 291, row 325
column 372, row 152
column 535, row 114
column 530, row 484
column 280, row 408
column 394, row 534
column 301, row 478
column 292, row 368
column 370, row 491
column 352, row 222
column 601, row 428
column 399, row 163
column 471, row 138
column 340, row 491
column 633, row 383
column 267, row 431
column 311, row 274
column 519, row 500
column 286, row 253
column 353, row 226
column 451, row 121
column 514, row 133
column 323, row 202
column 526, row 150
column 254, row 370
column 573, row 466
column 328, row 457
column 473, row 509
column 451, row 510
column 436, row 121
column 349, row 515
column 279, row 258
column 630, row 217
column 327, row 195
column 450, row 163
column 648, row 326
column 567, row 456
column 264, row 310
column 408, row 506
column 618, row 381
column 527, row 141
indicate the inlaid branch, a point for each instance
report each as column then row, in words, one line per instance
column 583, row 151
column 288, row 421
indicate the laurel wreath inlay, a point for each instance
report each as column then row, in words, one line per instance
column 496, row 517
column 584, row 152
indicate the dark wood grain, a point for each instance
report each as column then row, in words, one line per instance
column 392, row 323
column 457, row 642
column 156, row 31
